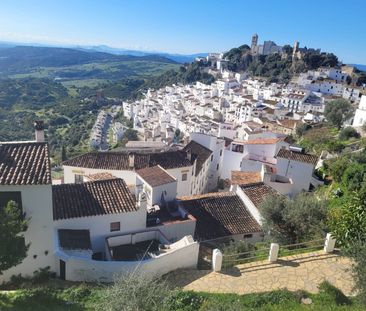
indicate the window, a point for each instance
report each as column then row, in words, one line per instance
column 211, row 158
column 7, row 196
column 115, row 226
column 217, row 167
column 248, row 236
column 79, row 179
column 220, row 152
column 184, row 177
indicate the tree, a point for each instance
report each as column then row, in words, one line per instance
column 294, row 220
column 130, row 134
column 348, row 224
column 287, row 49
column 12, row 246
column 63, row 153
column 338, row 111
column 302, row 128
column 348, row 132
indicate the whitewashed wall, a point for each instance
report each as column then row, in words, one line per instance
column 79, row 269
column 300, row 173
column 37, row 204
column 99, row 226
column 183, row 187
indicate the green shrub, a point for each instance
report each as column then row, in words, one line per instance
column 77, row 294
column 348, row 132
column 273, row 298
column 187, row 301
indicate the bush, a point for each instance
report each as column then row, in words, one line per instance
column 135, row 291
column 348, row 132
column 185, row 301
column 235, row 249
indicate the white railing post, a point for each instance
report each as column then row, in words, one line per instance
column 329, row 243
column 273, row 252
column 216, row 260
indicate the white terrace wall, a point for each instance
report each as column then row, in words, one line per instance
column 79, row 269
column 176, row 230
column 69, row 174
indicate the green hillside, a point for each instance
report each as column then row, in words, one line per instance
column 75, row 67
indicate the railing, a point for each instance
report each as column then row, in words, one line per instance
column 299, row 248
column 275, row 251
column 230, row 260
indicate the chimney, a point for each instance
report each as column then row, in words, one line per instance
column 39, row 130
column 131, row 160
column 189, row 155
column 142, row 200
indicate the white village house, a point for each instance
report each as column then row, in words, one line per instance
column 88, row 231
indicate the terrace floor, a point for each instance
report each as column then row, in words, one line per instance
column 299, row 272
column 134, row 252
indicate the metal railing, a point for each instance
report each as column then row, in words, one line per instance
column 260, row 254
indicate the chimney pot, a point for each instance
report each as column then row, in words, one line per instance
column 131, row 160
column 39, row 131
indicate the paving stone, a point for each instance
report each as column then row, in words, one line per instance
column 300, row 272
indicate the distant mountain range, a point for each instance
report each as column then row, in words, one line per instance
column 179, row 58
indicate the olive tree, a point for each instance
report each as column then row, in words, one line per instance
column 294, row 220
column 338, row 111
column 12, row 246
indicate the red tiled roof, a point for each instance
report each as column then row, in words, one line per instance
column 155, row 176
column 121, row 160
column 219, row 215
column 24, row 163
column 92, row 199
column 99, row 176
column 242, row 178
column 258, row 192
column 297, row 156
column 261, row 141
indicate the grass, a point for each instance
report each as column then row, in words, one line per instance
column 86, row 297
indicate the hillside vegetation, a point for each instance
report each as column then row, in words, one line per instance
column 76, row 67
column 275, row 67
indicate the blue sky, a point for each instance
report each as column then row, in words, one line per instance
column 189, row 26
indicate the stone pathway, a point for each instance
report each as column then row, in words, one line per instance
column 299, row 272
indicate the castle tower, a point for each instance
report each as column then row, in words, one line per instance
column 254, row 44
column 295, row 50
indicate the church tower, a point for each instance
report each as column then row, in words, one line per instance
column 253, row 47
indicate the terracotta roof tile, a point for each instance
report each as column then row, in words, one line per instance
column 261, row 141
column 100, row 176
column 297, row 156
column 92, row 199
column 24, row 163
column 155, row 176
column 121, row 160
column 258, row 192
column 219, row 215
column 242, row 178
